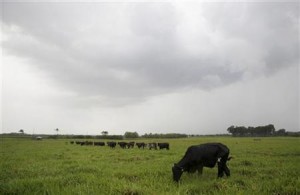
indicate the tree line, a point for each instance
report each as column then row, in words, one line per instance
column 104, row 135
column 167, row 135
column 267, row 130
column 236, row 131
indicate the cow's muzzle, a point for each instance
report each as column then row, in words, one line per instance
column 177, row 172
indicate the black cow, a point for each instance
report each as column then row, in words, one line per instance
column 204, row 155
column 163, row 145
column 152, row 145
column 72, row 142
column 130, row 145
column 99, row 144
column 112, row 144
column 85, row 143
column 123, row 144
column 141, row 145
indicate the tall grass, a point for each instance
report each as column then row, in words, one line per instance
column 260, row 166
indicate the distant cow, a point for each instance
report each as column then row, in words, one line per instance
column 204, row 155
column 163, row 145
column 112, row 144
column 130, row 145
column 72, row 142
column 123, row 144
column 152, row 146
column 99, row 144
column 141, row 145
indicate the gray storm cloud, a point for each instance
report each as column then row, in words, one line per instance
column 131, row 51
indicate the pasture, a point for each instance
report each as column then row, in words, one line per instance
column 259, row 166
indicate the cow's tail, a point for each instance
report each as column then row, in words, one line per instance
column 230, row 157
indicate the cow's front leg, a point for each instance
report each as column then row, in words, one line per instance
column 227, row 171
column 220, row 168
column 200, row 170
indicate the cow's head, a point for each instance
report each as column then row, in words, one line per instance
column 177, row 172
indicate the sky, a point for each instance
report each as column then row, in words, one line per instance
column 150, row 67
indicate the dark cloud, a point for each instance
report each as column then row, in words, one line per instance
column 129, row 51
column 272, row 28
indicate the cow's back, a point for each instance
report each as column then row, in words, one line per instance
column 206, row 154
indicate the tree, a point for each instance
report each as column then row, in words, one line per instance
column 237, row 131
column 281, row 132
column 271, row 129
column 131, row 134
column 104, row 133
column 242, row 131
column 251, row 131
column 57, row 130
column 21, row 131
column 231, row 129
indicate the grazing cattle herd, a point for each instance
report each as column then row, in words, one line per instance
column 195, row 158
column 124, row 145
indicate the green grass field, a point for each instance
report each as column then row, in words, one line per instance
column 260, row 166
